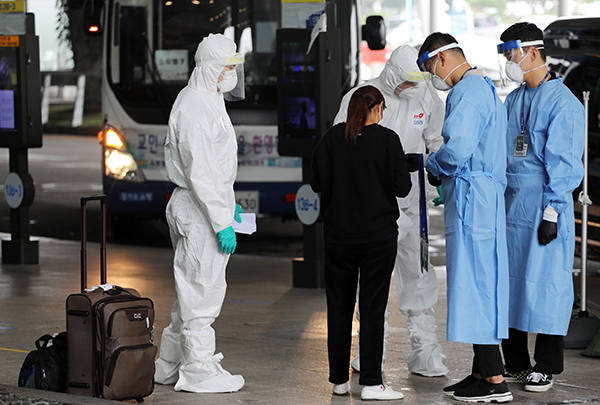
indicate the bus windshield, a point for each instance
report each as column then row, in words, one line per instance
column 146, row 72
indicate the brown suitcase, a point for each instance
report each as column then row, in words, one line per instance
column 110, row 349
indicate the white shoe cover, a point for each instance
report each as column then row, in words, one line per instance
column 165, row 372
column 208, row 377
column 167, row 366
column 427, row 357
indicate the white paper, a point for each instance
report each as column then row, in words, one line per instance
column 247, row 226
column 320, row 26
column 105, row 287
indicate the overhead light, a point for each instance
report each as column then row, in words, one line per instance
column 168, row 3
column 196, row 2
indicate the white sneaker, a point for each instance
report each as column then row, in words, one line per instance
column 379, row 393
column 355, row 363
column 341, row 389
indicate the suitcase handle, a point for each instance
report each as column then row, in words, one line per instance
column 84, row 200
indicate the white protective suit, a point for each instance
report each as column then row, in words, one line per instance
column 201, row 159
column 417, row 116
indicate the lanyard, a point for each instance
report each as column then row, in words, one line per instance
column 463, row 75
column 523, row 106
column 423, row 217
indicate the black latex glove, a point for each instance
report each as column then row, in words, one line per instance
column 547, row 232
column 433, row 180
column 412, row 161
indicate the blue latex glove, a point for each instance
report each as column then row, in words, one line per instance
column 438, row 200
column 238, row 211
column 227, row 240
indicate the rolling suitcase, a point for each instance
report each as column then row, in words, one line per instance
column 109, row 331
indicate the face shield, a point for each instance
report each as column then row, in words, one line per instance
column 412, row 84
column 428, row 55
column 438, row 82
column 510, row 56
column 231, row 81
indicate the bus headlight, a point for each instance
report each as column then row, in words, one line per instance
column 121, row 166
column 118, row 163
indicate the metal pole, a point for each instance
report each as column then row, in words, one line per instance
column 585, row 201
column 433, row 20
column 563, row 8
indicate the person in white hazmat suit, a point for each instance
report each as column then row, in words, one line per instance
column 416, row 114
column 201, row 159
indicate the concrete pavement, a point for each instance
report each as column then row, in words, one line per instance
column 269, row 332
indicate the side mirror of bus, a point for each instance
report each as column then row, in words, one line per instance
column 374, row 32
column 93, row 17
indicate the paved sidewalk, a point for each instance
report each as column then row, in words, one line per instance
column 272, row 334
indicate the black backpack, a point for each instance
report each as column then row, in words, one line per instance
column 46, row 367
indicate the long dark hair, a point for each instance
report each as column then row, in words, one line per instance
column 361, row 103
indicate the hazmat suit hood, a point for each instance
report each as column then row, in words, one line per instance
column 214, row 47
column 401, row 67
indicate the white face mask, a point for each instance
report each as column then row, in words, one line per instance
column 515, row 72
column 440, row 83
column 229, row 81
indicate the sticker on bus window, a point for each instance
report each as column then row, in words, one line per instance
column 172, row 64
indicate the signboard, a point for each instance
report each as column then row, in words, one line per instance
column 308, row 205
column 13, row 190
column 9, row 40
column 12, row 18
column 7, row 110
column 172, row 64
column 300, row 13
column 12, row 6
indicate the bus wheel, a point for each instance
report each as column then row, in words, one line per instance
column 123, row 226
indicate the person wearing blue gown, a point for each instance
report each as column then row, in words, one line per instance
column 472, row 166
column 545, row 142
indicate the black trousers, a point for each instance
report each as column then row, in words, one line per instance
column 375, row 261
column 487, row 360
column 548, row 353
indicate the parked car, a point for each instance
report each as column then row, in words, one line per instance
column 572, row 47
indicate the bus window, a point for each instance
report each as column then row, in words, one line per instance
column 132, row 23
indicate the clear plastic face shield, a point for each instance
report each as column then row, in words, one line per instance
column 511, row 55
column 438, row 82
column 231, row 81
column 408, row 84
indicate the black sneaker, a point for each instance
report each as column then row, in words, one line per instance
column 518, row 376
column 484, row 391
column 538, row 382
column 464, row 383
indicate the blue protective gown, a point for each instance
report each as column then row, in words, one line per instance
column 472, row 163
column 541, row 284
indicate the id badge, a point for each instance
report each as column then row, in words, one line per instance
column 520, row 146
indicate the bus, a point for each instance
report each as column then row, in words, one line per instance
column 572, row 49
column 148, row 55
